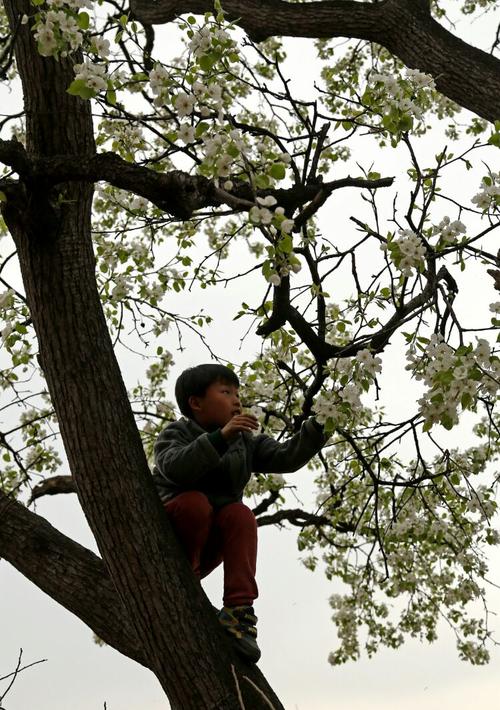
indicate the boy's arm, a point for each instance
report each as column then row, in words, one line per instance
column 270, row 456
column 184, row 460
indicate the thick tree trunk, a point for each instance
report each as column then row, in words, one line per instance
column 180, row 640
column 463, row 73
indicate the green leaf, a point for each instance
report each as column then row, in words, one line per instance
column 494, row 139
column 405, row 123
column 201, row 128
column 466, row 400
column 206, row 61
column 278, row 171
column 3, row 197
column 78, row 87
column 447, row 421
column 267, row 269
column 83, row 20
column 262, row 181
column 192, row 20
column 111, row 97
column 285, row 244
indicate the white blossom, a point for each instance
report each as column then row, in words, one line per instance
column 287, row 225
column 6, row 298
column 102, row 46
column 199, row 88
column 186, row 133
column 138, row 203
column 274, row 279
column 183, row 104
column 268, row 201
column 46, row 40
column 7, row 331
column 371, row 363
column 215, row 92
column 223, row 165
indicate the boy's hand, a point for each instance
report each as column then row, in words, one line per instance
column 240, row 422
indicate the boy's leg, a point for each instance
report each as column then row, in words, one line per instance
column 236, row 527
column 191, row 516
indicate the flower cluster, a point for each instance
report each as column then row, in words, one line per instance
column 407, row 252
column 342, row 405
column 261, row 214
column 448, row 231
column 93, row 76
column 427, row 558
column 489, row 196
column 58, row 29
column 399, row 100
column 210, row 38
column 454, row 378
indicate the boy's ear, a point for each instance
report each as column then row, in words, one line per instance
column 194, row 403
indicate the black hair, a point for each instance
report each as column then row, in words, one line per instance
column 195, row 381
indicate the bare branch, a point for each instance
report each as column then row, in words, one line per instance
column 53, row 486
column 301, row 519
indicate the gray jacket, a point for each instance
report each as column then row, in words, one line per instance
column 187, row 458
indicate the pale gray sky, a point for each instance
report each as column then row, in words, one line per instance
column 295, row 630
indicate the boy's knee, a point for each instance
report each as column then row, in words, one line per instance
column 239, row 515
column 192, row 504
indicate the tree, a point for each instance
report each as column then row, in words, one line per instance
column 216, row 143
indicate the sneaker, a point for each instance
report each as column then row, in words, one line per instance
column 239, row 622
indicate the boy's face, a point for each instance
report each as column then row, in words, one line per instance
column 219, row 404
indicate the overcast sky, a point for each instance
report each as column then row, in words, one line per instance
column 295, row 630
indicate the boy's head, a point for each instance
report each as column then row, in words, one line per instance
column 208, row 394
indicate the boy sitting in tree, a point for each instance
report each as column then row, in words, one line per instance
column 202, row 464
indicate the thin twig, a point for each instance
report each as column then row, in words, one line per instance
column 240, row 697
column 260, row 692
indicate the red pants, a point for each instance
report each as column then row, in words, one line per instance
column 210, row 537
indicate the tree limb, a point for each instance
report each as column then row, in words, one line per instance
column 463, row 73
column 53, row 486
column 301, row 519
column 69, row 573
column 175, row 192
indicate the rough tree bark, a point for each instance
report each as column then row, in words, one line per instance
column 463, row 73
column 162, row 604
